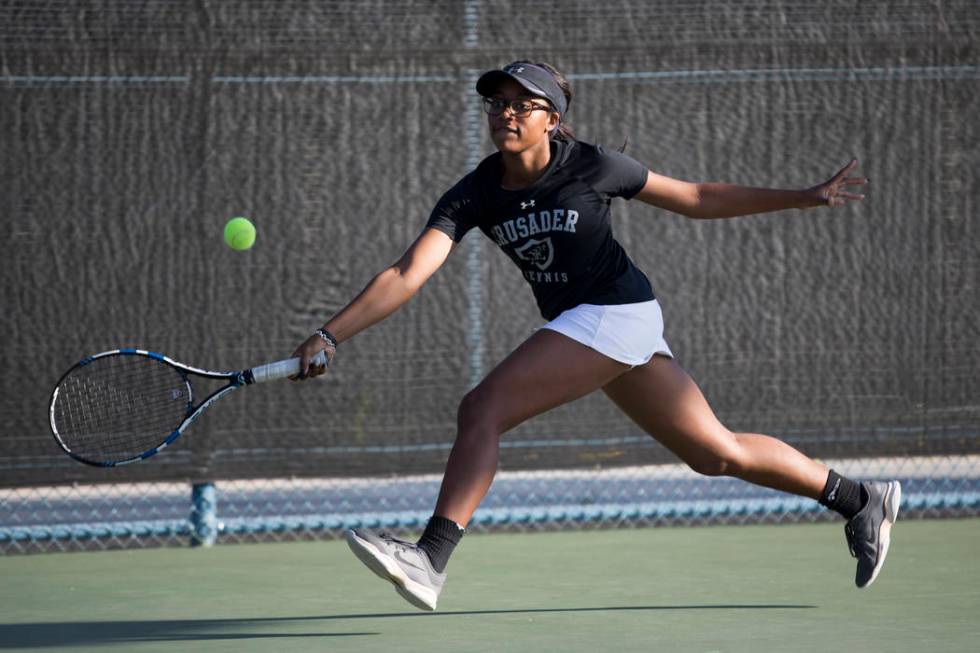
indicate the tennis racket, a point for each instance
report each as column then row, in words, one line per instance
column 125, row 405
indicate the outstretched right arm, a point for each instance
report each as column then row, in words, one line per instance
column 386, row 292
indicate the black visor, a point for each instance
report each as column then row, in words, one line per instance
column 534, row 79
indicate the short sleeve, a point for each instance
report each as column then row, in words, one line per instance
column 617, row 175
column 456, row 211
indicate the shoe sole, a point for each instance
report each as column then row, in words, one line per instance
column 893, row 500
column 418, row 595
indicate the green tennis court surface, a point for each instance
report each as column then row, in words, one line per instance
column 753, row 588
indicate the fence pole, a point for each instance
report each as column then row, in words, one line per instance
column 204, row 515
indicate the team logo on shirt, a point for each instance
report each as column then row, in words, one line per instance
column 539, row 252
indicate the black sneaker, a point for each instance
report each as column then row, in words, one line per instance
column 868, row 531
column 403, row 564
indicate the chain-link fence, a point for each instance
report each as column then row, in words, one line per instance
column 65, row 518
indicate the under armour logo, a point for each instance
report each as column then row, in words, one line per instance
column 527, row 205
column 518, row 69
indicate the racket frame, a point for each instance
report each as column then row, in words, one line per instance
column 235, row 380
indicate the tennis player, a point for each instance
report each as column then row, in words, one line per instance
column 544, row 199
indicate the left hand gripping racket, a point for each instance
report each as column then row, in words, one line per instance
column 125, row 405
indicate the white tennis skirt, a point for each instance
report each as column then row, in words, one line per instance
column 628, row 333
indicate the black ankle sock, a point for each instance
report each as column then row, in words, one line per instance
column 440, row 537
column 843, row 495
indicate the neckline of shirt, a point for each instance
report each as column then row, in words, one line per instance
column 557, row 153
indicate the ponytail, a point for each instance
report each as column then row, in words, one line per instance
column 563, row 133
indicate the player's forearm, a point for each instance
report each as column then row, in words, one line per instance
column 730, row 201
column 379, row 299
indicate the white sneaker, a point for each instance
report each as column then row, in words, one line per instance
column 403, row 564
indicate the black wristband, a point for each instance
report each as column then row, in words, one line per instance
column 326, row 335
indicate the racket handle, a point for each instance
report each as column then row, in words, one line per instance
column 284, row 368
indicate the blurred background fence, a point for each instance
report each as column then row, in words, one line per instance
column 132, row 131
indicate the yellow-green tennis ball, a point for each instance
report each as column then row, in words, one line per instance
column 239, row 234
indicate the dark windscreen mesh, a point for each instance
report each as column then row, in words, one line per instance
column 133, row 131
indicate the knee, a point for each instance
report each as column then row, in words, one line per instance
column 475, row 416
column 717, row 461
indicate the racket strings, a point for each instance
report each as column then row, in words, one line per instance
column 117, row 407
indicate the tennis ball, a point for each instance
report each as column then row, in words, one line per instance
column 239, row 234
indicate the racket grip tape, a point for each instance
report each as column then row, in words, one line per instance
column 284, row 368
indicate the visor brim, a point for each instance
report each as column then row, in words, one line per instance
column 489, row 82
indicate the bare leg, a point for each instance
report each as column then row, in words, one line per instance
column 547, row 370
column 666, row 403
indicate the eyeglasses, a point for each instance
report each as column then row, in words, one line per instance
column 520, row 108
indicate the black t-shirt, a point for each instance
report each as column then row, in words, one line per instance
column 556, row 230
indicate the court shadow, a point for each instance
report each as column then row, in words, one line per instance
column 47, row 634
column 621, row 608
column 104, row 633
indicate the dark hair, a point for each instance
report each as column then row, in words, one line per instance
column 564, row 132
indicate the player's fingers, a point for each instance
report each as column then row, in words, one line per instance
column 846, row 169
column 320, row 362
column 311, row 365
column 850, row 196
